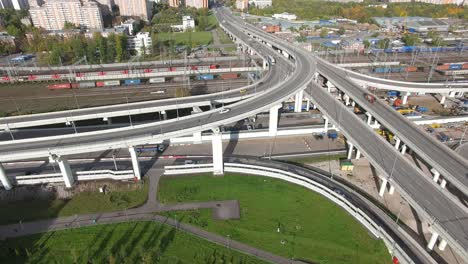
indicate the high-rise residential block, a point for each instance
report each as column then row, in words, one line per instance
column 135, row 8
column 53, row 14
column 197, row 3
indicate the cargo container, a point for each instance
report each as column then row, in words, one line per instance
column 86, row 85
column 411, row 69
column 465, row 66
column 132, row 82
column 332, row 134
column 205, row 77
column 443, row 137
column 75, row 86
column 213, row 66
column 147, row 70
column 397, row 102
column 157, row 80
column 172, row 69
column 112, row 83
column 422, row 109
column 443, row 67
column 59, row 86
column 455, row 67
column 99, row 84
column 393, row 93
column 228, row 76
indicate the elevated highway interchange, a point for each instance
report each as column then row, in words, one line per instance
column 447, row 218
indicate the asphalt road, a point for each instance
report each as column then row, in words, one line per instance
column 276, row 94
column 450, row 164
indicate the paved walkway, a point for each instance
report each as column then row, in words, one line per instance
column 143, row 213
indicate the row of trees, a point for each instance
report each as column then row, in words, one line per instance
column 54, row 50
column 362, row 12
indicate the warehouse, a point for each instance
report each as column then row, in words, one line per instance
column 436, row 25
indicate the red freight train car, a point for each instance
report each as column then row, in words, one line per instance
column 59, row 86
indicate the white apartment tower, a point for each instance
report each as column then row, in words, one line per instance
column 53, row 14
column 135, row 8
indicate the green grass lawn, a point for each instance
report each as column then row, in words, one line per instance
column 223, row 37
column 81, row 203
column 141, row 242
column 183, row 38
column 314, row 159
column 311, row 227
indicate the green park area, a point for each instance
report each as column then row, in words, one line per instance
column 133, row 242
column 123, row 197
column 278, row 217
column 191, row 39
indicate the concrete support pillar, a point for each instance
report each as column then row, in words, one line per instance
column 405, row 98
column 392, row 189
column 273, row 124
column 376, row 123
column 316, row 75
column 369, row 118
column 298, row 101
column 135, row 164
column 217, row 146
column 442, row 99
column 383, row 186
column 443, row 183
column 264, row 65
column 197, row 137
column 403, row 149
column 350, row 150
column 442, row 244
column 436, row 175
column 432, row 241
column 358, row 154
column 108, row 120
column 314, row 107
column 397, row 142
column 66, row 171
column 347, row 100
column 452, row 94
column 4, row 179
column 353, row 103
column 326, row 124
column 164, row 115
column 307, row 104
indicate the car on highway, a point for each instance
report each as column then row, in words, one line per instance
column 224, row 110
column 369, row 97
column 243, row 91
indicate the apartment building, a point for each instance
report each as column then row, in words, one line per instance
column 135, row 8
column 52, row 14
column 197, row 3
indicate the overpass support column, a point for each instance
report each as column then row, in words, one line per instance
column 442, row 99
column 164, row 115
column 452, row 94
column 347, row 100
column 443, row 183
column 264, row 65
column 326, row 124
column 135, row 164
column 350, row 150
column 432, row 241
column 298, row 101
column 403, row 149
column 108, row 120
column 442, row 244
column 369, row 118
column 405, row 98
column 4, row 179
column 273, row 124
column 383, row 186
column 217, row 146
column 436, row 175
column 307, row 104
column 64, row 169
column 358, row 154
column 197, row 137
column 391, row 190
column 397, row 142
